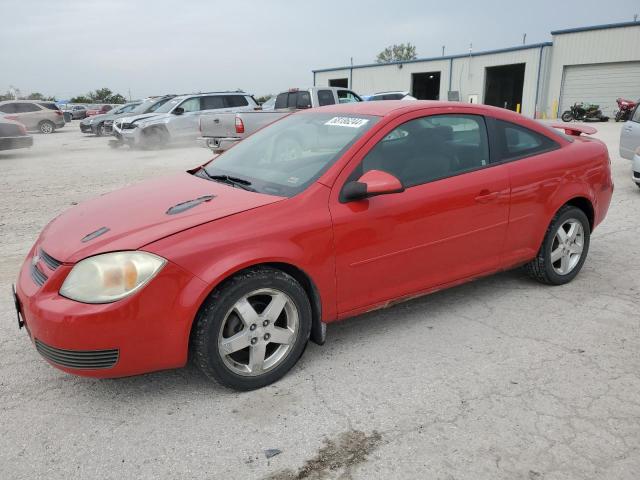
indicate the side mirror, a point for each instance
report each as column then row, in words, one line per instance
column 178, row 111
column 372, row 183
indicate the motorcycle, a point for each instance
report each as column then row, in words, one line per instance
column 584, row 112
column 625, row 107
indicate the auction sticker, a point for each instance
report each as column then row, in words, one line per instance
column 350, row 122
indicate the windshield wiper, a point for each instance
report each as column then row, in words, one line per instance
column 230, row 180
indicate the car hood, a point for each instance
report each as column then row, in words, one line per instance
column 137, row 118
column 93, row 118
column 135, row 216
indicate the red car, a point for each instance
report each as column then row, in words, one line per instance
column 325, row 214
column 98, row 110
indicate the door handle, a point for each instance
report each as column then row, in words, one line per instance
column 486, row 196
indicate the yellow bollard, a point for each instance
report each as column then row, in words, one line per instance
column 554, row 109
column 517, row 108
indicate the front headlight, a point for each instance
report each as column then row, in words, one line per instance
column 90, row 121
column 111, row 276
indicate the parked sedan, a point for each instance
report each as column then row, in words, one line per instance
column 630, row 135
column 239, row 262
column 13, row 135
column 44, row 117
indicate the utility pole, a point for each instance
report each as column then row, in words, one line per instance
column 524, row 38
column 443, row 50
column 129, row 94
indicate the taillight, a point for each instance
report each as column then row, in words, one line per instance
column 22, row 129
column 11, row 117
column 239, row 125
column 58, row 112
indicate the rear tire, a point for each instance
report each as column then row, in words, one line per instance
column 567, row 116
column 46, row 127
column 245, row 308
column 558, row 262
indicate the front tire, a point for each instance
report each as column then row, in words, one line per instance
column 567, row 116
column 251, row 331
column 46, row 127
column 564, row 249
column 99, row 130
column 155, row 138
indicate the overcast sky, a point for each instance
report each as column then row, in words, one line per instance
column 69, row 47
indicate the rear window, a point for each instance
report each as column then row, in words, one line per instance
column 236, row 101
column 325, row 97
column 50, row 106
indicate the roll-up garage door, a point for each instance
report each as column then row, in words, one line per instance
column 600, row 83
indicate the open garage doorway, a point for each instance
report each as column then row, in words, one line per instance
column 426, row 86
column 503, row 86
column 339, row 82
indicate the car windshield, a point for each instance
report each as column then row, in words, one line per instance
column 144, row 107
column 167, row 107
column 286, row 157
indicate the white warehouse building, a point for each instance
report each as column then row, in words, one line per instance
column 594, row 64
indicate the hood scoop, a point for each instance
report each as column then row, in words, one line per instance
column 96, row 234
column 184, row 206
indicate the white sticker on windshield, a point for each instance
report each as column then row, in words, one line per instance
column 347, row 122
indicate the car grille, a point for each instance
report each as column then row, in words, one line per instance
column 38, row 275
column 51, row 262
column 78, row 359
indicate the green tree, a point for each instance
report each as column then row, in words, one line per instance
column 39, row 96
column 80, row 99
column 263, row 98
column 397, row 53
column 101, row 95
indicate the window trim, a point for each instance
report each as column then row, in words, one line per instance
column 354, row 175
column 497, row 142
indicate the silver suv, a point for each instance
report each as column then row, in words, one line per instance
column 34, row 115
column 178, row 120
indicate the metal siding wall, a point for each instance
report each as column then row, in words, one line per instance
column 598, row 46
column 469, row 75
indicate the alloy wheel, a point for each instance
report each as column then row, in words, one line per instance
column 258, row 332
column 567, row 247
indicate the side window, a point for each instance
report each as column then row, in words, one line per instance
column 213, row 102
column 304, row 100
column 50, row 106
column 325, row 97
column 345, row 96
column 26, row 108
column 232, row 101
column 636, row 115
column 281, row 100
column 518, row 142
column 431, row 148
column 191, row 104
column 8, row 108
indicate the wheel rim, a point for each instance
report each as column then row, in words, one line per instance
column 567, row 247
column 258, row 332
column 46, row 128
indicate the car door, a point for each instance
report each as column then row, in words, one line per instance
column 185, row 126
column 448, row 225
column 30, row 115
column 630, row 135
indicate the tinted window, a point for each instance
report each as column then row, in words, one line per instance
column 281, row 100
column 430, row 148
column 26, row 108
column 191, row 105
column 345, row 96
column 8, row 108
column 304, row 100
column 517, row 142
column 236, row 101
column 50, row 106
column 325, row 97
column 292, row 100
column 213, row 102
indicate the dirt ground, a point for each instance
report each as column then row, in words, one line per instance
column 501, row 378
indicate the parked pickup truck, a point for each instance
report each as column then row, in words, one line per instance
column 222, row 130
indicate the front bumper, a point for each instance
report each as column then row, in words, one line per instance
column 145, row 332
column 635, row 168
column 129, row 136
column 11, row 143
column 85, row 128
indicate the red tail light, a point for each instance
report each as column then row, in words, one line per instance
column 11, row 117
column 239, row 125
column 23, row 129
column 58, row 112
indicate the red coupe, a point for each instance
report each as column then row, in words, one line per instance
column 325, row 214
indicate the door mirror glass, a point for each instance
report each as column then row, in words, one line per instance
column 372, row 183
column 178, row 111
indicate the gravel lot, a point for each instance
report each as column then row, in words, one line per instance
column 501, row 378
